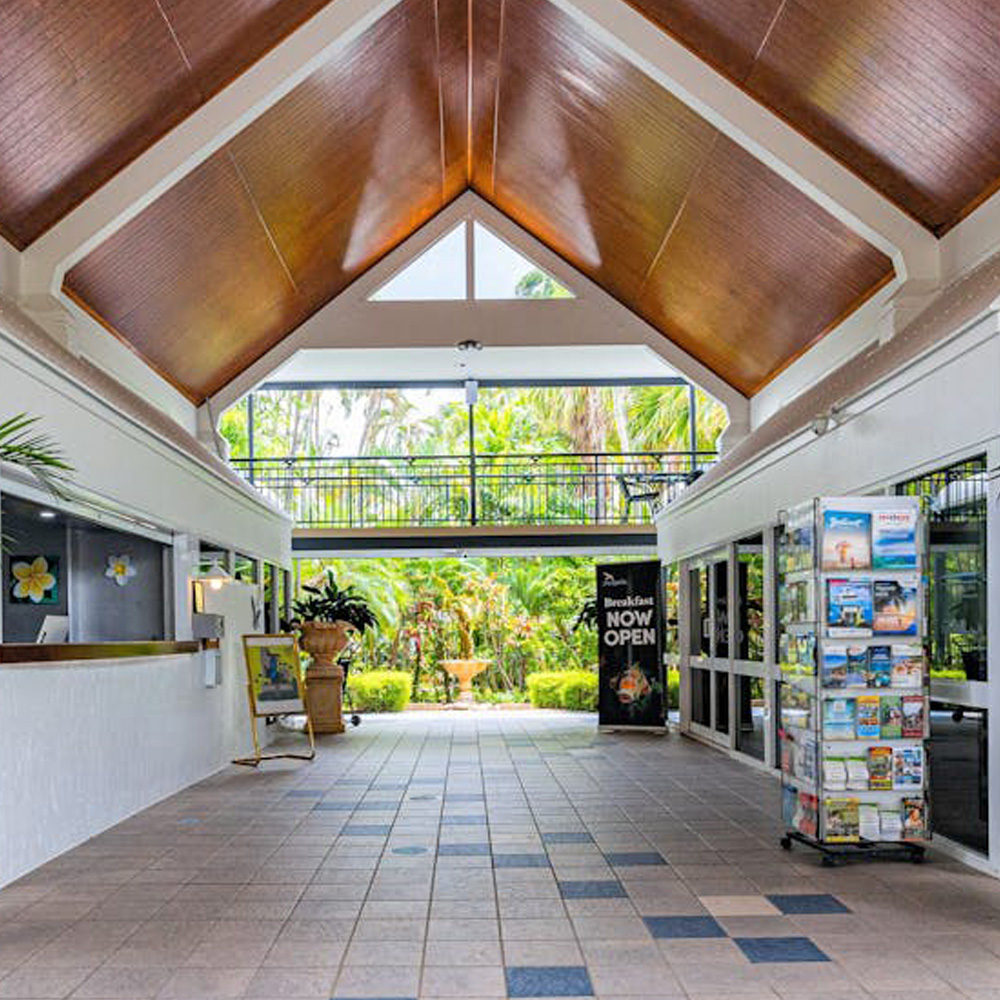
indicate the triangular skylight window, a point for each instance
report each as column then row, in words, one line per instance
column 500, row 272
column 504, row 273
column 437, row 275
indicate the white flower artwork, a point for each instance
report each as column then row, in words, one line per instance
column 120, row 569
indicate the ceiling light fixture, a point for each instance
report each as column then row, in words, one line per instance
column 47, row 515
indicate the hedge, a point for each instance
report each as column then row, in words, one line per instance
column 380, row 690
column 572, row 689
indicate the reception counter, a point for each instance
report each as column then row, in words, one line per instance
column 27, row 652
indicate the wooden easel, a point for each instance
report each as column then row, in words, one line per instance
column 286, row 647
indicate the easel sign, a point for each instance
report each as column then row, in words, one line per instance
column 274, row 688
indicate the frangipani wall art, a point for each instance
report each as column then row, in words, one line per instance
column 120, row 569
column 34, row 579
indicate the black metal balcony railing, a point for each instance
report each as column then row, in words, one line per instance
column 459, row 490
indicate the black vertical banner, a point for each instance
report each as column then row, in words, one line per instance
column 630, row 645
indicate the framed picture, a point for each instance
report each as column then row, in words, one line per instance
column 274, row 674
column 34, row 579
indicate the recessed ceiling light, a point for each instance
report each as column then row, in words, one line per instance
column 47, row 514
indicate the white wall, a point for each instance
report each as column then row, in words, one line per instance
column 125, row 467
column 84, row 745
column 945, row 406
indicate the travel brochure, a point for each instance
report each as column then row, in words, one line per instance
column 883, row 666
column 849, row 820
column 874, row 769
column 858, row 540
column 796, row 551
column 873, row 717
column 861, row 606
column 846, row 540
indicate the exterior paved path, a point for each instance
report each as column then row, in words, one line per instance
column 489, row 855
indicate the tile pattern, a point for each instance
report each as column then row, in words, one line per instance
column 493, row 854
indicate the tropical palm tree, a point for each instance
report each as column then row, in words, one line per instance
column 36, row 453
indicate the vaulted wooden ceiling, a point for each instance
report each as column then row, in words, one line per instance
column 513, row 99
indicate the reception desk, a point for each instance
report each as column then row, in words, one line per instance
column 90, row 734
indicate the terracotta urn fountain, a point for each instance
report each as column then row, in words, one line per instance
column 324, row 641
column 463, row 671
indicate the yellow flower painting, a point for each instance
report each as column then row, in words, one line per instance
column 35, row 579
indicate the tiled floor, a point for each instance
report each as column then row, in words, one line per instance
column 489, row 855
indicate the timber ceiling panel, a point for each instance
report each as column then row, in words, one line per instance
column 311, row 194
column 904, row 92
column 754, row 271
column 88, row 85
column 558, row 131
column 683, row 226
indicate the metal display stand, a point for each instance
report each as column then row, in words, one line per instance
column 854, row 693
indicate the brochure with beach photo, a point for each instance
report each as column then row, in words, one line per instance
column 838, row 719
column 879, row 666
column 895, row 606
column 908, row 768
column 848, row 607
column 894, row 539
column 835, row 666
column 846, row 540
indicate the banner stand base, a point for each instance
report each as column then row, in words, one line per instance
column 660, row 730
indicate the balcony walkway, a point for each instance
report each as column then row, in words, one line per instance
column 533, row 503
column 491, row 854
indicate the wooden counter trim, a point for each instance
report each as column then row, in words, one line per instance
column 29, row 652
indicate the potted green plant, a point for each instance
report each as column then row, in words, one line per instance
column 324, row 619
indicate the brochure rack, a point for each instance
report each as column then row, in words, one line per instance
column 854, row 693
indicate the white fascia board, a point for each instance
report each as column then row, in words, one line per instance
column 195, row 139
column 913, row 249
column 10, row 269
column 592, row 317
column 972, row 241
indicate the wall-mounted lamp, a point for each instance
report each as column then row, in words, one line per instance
column 215, row 576
column 47, row 515
column 824, row 422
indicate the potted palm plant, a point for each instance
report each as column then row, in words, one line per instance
column 325, row 619
column 36, row 453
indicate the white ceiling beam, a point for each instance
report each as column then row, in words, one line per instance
column 913, row 249
column 195, row 139
column 593, row 317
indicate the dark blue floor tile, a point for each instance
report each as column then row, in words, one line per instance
column 761, row 950
column 389, row 786
column 365, row 830
column 626, row 859
column 336, row 806
column 799, row 904
column 570, row 837
column 379, row 806
column 594, row 889
column 548, row 981
column 463, row 850
column 684, row 927
column 409, row 850
column 520, row 861
column 463, row 821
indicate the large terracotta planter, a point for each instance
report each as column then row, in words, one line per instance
column 323, row 641
column 463, row 671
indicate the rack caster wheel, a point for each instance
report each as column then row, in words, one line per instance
column 828, row 862
column 355, row 720
column 786, row 843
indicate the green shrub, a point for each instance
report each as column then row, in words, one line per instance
column 673, row 687
column 380, row 690
column 545, row 689
column 947, row 674
column 579, row 691
column 572, row 689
